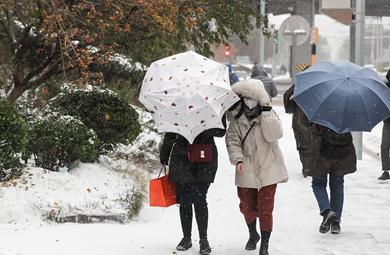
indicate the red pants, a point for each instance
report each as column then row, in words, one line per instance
column 258, row 203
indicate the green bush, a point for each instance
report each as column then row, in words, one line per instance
column 112, row 118
column 13, row 139
column 57, row 141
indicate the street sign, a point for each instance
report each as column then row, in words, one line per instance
column 294, row 30
column 335, row 4
column 339, row 10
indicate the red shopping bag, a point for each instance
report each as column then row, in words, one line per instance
column 162, row 191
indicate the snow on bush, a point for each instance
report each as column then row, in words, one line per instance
column 143, row 151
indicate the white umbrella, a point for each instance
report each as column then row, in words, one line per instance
column 187, row 94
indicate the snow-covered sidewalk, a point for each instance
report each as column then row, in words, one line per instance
column 365, row 225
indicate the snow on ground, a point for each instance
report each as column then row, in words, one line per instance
column 365, row 225
column 40, row 195
column 283, row 78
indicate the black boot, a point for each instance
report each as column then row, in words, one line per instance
column 254, row 237
column 202, row 218
column 204, row 247
column 186, row 225
column 184, row 244
column 265, row 235
column 335, row 227
column 329, row 217
column 384, row 176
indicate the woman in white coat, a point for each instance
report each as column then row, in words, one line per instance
column 252, row 143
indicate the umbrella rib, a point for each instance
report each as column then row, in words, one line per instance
column 344, row 111
column 379, row 95
column 343, row 70
column 316, row 84
column 368, row 78
column 318, row 71
column 336, row 87
column 369, row 117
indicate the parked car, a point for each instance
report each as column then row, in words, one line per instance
column 242, row 72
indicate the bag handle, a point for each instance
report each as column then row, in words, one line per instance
column 162, row 168
column 247, row 133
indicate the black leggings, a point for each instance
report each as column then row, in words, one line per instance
column 189, row 194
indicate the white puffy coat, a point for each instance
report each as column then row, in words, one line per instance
column 261, row 156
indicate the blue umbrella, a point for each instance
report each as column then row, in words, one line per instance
column 342, row 96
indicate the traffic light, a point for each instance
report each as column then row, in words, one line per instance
column 227, row 50
column 276, row 40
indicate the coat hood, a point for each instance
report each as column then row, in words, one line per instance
column 258, row 70
column 253, row 89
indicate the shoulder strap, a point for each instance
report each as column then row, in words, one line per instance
column 241, row 111
column 247, row 133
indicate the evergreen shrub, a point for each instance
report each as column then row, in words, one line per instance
column 112, row 118
column 57, row 141
column 13, row 140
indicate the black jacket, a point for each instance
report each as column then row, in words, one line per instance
column 259, row 74
column 309, row 138
column 174, row 151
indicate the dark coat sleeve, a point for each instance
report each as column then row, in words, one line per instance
column 289, row 104
column 274, row 90
column 166, row 147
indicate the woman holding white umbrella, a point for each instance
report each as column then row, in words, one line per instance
column 192, row 180
column 188, row 95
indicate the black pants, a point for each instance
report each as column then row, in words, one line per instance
column 385, row 145
column 189, row 194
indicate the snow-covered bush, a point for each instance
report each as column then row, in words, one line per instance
column 13, row 139
column 32, row 102
column 112, row 118
column 143, row 151
column 57, row 141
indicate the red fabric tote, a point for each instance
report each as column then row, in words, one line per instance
column 162, row 191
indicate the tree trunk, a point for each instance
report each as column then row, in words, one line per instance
column 15, row 93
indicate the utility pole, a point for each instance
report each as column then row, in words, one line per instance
column 275, row 49
column 313, row 13
column 359, row 59
column 261, row 42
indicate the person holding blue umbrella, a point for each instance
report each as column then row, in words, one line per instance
column 337, row 98
column 322, row 161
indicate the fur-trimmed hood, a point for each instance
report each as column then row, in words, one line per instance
column 254, row 89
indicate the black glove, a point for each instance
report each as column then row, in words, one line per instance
column 266, row 108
